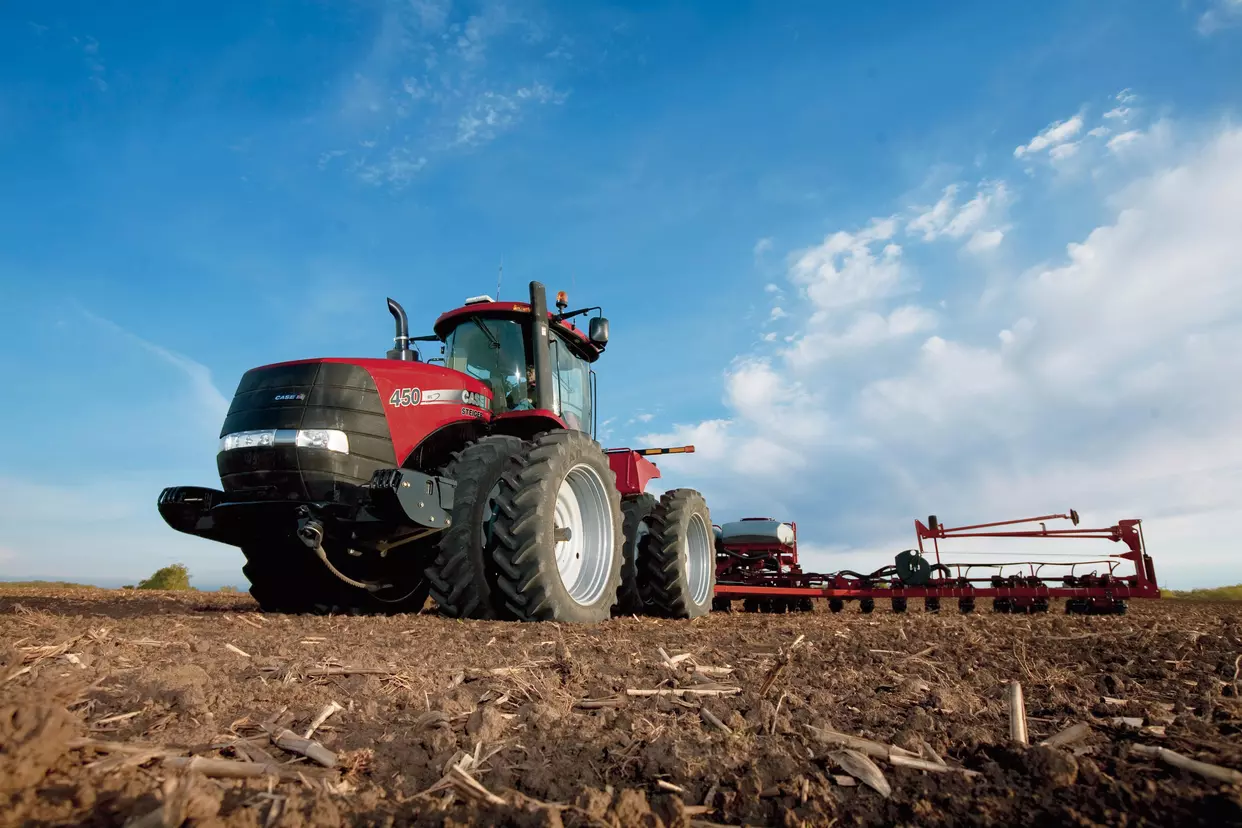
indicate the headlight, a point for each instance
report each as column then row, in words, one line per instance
column 248, row 439
column 330, row 439
column 324, row 438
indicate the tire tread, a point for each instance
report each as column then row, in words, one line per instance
column 526, row 571
column 459, row 589
column 665, row 579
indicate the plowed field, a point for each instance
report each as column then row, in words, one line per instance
column 119, row 706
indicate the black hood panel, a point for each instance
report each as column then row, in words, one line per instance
column 307, row 395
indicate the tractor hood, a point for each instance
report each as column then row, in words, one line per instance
column 318, row 429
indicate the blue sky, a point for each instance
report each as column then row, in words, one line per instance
column 876, row 260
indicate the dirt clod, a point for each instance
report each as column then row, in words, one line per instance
column 486, row 724
column 1055, row 768
column 183, row 687
column 32, row 738
column 631, row 808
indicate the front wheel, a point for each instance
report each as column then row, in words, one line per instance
column 679, row 561
column 461, row 575
column 558, row 549
column 286, row 577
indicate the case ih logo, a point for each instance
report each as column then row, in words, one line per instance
column 287, row 397
column 471, row 398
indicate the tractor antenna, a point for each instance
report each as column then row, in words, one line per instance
column 500, row 274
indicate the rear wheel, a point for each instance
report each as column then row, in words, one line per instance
column 462, row 577
column 635, row 511
column 558, row 550
column 679, row 571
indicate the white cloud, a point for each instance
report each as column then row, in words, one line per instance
column 1120, row 133
column 1052, row 136
column 210, row 403
column 977, row 218
column 1121, row 139
column 1063, row 151
column 777, row 313
column 98, row 71
column 1093, row 382
column 1124, row 110
column 819, row 343
column 432, row 14
column 399, row 166
column 846, row 268
column 1220, row 15
column 437, row 79
column 985, row 240
column 934, row 219
column 492, row 113
column 763, row 246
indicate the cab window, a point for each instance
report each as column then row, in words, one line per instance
column 494, row 352
column 571, row 391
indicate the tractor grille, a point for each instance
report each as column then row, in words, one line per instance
column 306, row 396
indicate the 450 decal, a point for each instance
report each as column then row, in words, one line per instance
column 402, row 397
column 405, row 396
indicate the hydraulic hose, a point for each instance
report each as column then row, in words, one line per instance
column 311, row 534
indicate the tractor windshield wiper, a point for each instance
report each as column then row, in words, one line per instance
column 491, row 337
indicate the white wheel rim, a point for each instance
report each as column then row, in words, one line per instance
column 700, row 559
column 584, row 559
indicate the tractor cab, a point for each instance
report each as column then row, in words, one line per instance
column 527, row 370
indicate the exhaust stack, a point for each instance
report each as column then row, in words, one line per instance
column 401, row 347
column 539, row 347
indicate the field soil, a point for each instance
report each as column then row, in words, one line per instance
column 128, row 707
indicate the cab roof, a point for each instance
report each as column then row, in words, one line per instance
column 576, row 337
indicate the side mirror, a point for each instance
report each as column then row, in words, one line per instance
column 598, row 330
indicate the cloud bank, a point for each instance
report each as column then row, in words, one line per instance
column 1094, row 380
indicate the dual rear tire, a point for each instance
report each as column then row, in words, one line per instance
column 540, row 533
column 677, row 559
column 558, row 531
column 463, row 584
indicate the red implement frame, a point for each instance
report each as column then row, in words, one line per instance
column 769, row 577
column 632, row 468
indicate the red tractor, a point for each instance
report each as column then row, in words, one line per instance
column 365, row 485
